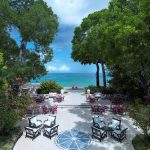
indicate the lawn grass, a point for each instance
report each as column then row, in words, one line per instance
column 8, row 142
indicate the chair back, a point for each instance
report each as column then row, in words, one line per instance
column 119, row 122
column 30, row 122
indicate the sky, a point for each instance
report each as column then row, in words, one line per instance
column 70, row 14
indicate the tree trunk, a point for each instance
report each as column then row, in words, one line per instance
column 143, row 84
column 104, row 74
column 22, row 52
column 97, row 74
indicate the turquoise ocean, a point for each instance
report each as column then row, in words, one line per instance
column 69, row 79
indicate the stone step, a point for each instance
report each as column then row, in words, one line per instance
column 73, row 106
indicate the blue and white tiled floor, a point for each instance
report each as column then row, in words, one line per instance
column 73, row 140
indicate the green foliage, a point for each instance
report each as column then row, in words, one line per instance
column 127, row 45
column 12, row 109
column 94, row 89
column 48, row 86
column 101, row 89
column 118, row 36
column 140, row 143
column 3, row 84
column 86, row 43
column 8, row 142
column 141, row 113
column 38, row 27
column 35, row 26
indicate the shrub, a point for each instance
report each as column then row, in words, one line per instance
column 141, row 113
column 8, row 142
column 101, row 89
column 48, row 86
column 12, row 109
column 108, row 90
column 94, row 89
column 139, row 142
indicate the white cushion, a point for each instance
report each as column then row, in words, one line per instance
column 48, row 129
column 97, row 120
column 51, row 118
column 33, row 120
column 38, row 123
column 52, row 94
column 101, row 125
column 47, row 123
column 35, row 129
column 115, row 122
column 113, row 126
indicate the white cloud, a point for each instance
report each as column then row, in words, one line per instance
column 51, row 68
column 72, row 12
column 64, row 68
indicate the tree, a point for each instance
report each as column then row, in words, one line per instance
column 125, row 38
column 36, row 23
column 34, row 26
column 86, row 43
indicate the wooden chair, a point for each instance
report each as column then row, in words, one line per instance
column 119, row 134
column 32, row 132
column 98, row 122
column 50, row 132
column 34, row 123
column 51, row 121
column 115, row 124
column 98, row 133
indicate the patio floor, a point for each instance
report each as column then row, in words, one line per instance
column 78, row 119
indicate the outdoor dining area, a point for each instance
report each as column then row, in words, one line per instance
column 100, row 129
column 40, row 106
column 36, row 126
column 100, row 123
